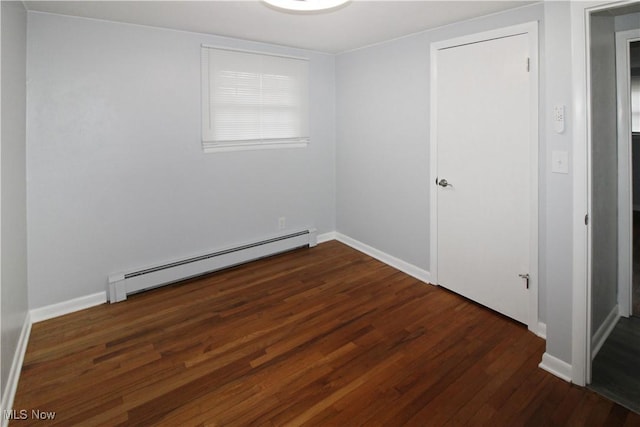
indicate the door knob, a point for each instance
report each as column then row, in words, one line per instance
column 443, row 183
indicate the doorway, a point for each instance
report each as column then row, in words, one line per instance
column 615, row 244
column 634, row 92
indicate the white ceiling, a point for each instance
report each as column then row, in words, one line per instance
column 359, row 23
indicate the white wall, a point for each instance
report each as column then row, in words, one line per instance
column 13, row 184
column 116, row 174
column 383, row 144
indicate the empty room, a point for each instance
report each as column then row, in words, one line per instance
column 253, row 212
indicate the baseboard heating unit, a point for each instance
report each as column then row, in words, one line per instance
column 123, row 284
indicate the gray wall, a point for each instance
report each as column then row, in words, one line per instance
column 13, row 184
column 383, row 152
column 117, row 177
column 556, row 190
column 383, row 155
column 630, row 21
column 604, row 170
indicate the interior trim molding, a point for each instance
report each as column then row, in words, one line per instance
column 557, row 367
column 326, row 237
column 582, row 183
column 405, row 267
column 11, row 387
column 604, row 330
column 623, row 40
column 542, row 330
column 87, row 301
column 66, row 307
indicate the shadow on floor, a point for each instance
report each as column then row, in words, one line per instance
column 616, row 368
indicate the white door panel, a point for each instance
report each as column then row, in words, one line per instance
column 483, row 151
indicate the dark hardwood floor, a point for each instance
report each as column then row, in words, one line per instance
column 324, row 336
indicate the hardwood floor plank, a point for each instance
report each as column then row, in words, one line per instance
column 633, row 419
column 325, row 336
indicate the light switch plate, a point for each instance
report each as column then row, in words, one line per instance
column 560, row 161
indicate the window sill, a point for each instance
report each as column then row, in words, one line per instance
column 219, row 148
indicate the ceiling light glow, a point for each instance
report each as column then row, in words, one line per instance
column 306, row 5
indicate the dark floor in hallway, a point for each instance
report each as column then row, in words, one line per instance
column 616, row 368
column 636, row 264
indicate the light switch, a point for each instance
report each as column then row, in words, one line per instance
column 560, row 161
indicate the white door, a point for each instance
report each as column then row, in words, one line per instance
column 483, row 137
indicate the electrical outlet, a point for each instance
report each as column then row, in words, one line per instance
column 282, row 223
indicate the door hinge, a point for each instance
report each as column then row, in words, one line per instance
column 586, row 219
column 526, row 278
column 528, row 64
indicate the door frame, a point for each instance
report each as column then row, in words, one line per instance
column 531, row 29
column 582, row 253
column 625, row 170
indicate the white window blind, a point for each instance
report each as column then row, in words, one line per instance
column 251, row 100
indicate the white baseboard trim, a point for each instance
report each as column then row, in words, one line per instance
column 555, row 366
column 542, row 330
column 11, row 387
column 326, row 237
column 66, row 307
column 87, row 301
column 604, row 331
column 405, row 267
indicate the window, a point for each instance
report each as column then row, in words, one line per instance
column 253, row 101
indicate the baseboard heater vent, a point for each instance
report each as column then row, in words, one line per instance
column 123, row 284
